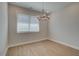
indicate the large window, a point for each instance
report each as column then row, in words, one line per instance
column 27, row 23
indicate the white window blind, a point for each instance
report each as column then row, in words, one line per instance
column 27, row 23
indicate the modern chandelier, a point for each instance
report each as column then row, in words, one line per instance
column 44, row 14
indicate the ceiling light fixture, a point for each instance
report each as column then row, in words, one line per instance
column 44, row 14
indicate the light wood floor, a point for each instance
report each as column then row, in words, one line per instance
column 43, row 48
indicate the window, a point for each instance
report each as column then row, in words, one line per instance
column 27, row 23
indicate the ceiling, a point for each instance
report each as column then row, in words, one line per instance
column 48, row 6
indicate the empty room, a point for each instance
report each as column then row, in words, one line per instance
column 39, row 28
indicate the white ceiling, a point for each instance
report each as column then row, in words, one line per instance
column 48, row 6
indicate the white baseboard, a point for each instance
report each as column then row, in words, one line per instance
column 66, row 44
column 60, row 42
column 28, row 42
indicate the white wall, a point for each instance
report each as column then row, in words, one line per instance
column 64, row 25
column 15, row 38
column 3, row 28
